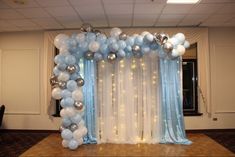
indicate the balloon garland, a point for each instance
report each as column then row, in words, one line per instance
column 91, row 44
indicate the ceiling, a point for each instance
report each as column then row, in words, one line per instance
column 69, row 14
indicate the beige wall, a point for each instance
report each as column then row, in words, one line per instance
column 26, row 93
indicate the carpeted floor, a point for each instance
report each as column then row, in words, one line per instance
column 14, row 143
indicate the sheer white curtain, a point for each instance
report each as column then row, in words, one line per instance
column 128, row 101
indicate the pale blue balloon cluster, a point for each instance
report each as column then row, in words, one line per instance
column 92, row 45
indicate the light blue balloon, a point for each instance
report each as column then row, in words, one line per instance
column 74, row 76
column 70, row 60
column 154, row 46
column 80, row 37
column 71, row 85
column 111, row 40
column 121, row 44
column 66, row 122
column 121, row 53
column 130, row 41
column 101, row 38
column 59, row 59
column 139, row 40
column 145, row 49
column 76, row 119
column 90, row 37
column 148, row 38
column 98, row 56
column 73, row 49
column 56, row 71
column 104, row 49
column 83, row 46
column 72, row 42
column 74, row 35
column 67, row 102
column 128, row 48
column 62, row 66
column 66, row 93
column 73, row 144
column 67, row 134
column 113, row 47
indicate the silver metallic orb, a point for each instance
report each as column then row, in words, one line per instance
column 167, row 47
column 123, row 36
column 86, row 27
column 78, row 105
column 71, row 69
column 111, row 57
column 80, row 81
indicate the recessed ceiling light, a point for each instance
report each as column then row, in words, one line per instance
column 183, row 1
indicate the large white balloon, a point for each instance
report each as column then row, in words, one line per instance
column 115, row 32
column 70, row 111
column 60, row 40
column 77, row 95
column 63, row 113
column 174, row 41
column 186, row 44
column 180, row 49
column 94, row 46
column 65, row 143
column 180, row 37
column 56, row 93
column 63, row 76
column 77, row 134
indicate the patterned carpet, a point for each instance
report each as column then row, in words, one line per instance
column 14, row 143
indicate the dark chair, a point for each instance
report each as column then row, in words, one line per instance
column 2, row 109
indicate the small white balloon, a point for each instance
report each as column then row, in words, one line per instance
column 186, row 44
column 56, row 93
column 94, row 46
column 115, row 32
column 63, row 113
column 180, row 37
column 80, row 141
column 84, row 131
column 60, row 40
column 65, row 143
column 180, row 49
column 70, row 111
column 174, row 41
column 77, row 134
column 175, row 53
column 144, row 33
column 77, row 95
column 63, row 76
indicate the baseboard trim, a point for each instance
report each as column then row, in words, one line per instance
column 28, row 130
column 210, row 130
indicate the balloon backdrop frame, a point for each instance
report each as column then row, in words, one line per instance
column 91, row 44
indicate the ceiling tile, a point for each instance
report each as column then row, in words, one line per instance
column 192, row 19
column 177, row 8
column 3, row 5
column 47, row 23
column 205, row 8
column 148, row 8
column 70, row 22
column 33, row 12
column 52, row 3
column 216, row 1
column 61, row 11
column 118, row 9
column 9, row 14
column 22, row 23
column 166, row 24
column 227, row 9
column 86, row 2
column 170, row 18
column 217, row 20
column 28, row 28
column 150, row 1
column 118, row 1
column 97, row 23
column 144, row 19
column 90, row 11
column 120, row 20
column 28, row 4
column 4, row 24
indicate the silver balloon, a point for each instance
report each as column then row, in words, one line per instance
column 73, row 127
column 80, row 81
column 135, row 48
column 161, row 38
column 168, row 47
column 61, row 128
column 71, row 69
column 62, row 84
column 97, row 32
column 111, row 57
column 123, row 36
column 78, row 105
column 89, row 55
column 53, row 80
column 86, row 27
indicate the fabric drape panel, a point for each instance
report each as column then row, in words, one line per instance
column 128, row 101
column 89, row 99
column 171, row 109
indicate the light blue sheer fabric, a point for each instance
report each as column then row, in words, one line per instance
column 171, row 109
column 89, row 99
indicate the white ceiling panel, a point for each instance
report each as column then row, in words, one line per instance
column 177, row 8
column 9, row 14
column 166, row 24
column 227, row 9
column 205, row 8
column 144, row 19
column 118, row 1
column 27, row 4
column 22, row 23
column 216, row 1
column 3, row 5
column 47, row 23
column 28, row 28
column 70, row 22
column 150, row 1
column 85, row 11
column 86, row 2
column 118, row 9
column 61, row 11
column 98, row 23
column 4, row 24
column 120, row 20
column 52, row 3
column 170, row 18
column 192, row 20
column 148, row 8
column 33, row 12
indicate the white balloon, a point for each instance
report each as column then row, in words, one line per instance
column 70, row 111
column 180, row 49
column 115, row 32
column 180, row 37
column 63, row 76
column 77, row 134
column 81, row 124
column 60, row 40
column 186, row 44
column 84, row 131
column 64, row 49
column 63, row 113
column 174, row 41
column 144, row 33
column 94, row 46
column 56, row 93
column 65, row 143
column 77, row 94
column 80, row 141
column 81, row 37
column 175, row 53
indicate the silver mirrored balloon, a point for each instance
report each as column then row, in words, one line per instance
column 78, row 105
column 62, row 84
column 71, row 69
column 123, row 36
column 80, row 81
column 111, row 57
column 97, row 32
column 86, row 27
column 161, row 38
column 53, row 80
column 73, row 127
column 167, row 47
column 61, row 128
column 89, row 55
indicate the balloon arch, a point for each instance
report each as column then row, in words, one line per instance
column 91, row 44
